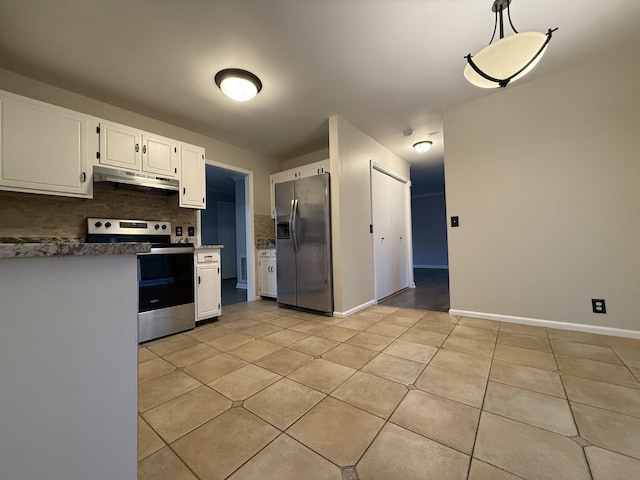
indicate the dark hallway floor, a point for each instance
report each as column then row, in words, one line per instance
column 230, row 294
column 431, row 292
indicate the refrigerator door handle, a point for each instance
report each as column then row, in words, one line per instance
column 294, row 225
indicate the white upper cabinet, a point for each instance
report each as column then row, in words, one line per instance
column 43, row 148
column 192, row 177
column 160, row 155
column 130, row 149
column 310, row 170
column 120, row 146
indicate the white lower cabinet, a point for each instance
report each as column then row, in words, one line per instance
column 267, row 286
column 207, row 281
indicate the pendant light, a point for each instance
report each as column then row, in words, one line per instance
column 238, row 85
column 509, row 58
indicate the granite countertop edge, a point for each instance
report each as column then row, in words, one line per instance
column 265, row 243
column 68, row 248
column 209, row 247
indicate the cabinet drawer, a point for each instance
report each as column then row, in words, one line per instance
column 266, row 253
column 208, row 256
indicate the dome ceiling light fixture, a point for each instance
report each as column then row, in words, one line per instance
column 422, row 146
column 509, row 58
column 237, row 84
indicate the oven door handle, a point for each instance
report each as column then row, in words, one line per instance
column 165, row 250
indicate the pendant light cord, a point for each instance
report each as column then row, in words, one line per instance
column 509, row 17
column 495, row 26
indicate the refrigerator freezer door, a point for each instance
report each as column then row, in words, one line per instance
column 312, row 233
column 286, row 257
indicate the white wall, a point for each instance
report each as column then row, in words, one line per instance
column 351, row 151
column 545, row 177
column 429, row 230
column 216, row 150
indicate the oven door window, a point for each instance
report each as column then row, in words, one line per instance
column 166, row 280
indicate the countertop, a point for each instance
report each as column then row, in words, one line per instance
column 209, row 247
column 262, row 243
column 30, row 247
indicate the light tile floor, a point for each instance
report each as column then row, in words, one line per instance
column 389, row 393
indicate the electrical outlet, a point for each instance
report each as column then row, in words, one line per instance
column 178, row 231
column 455, row 222
column 191, row 231
column 598, row 305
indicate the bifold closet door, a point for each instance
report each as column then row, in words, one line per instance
column 389, row 207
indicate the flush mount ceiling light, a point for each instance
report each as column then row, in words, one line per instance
column 238, row 85
column 509, row 58
column 422, row 146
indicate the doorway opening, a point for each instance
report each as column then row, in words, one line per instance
column 227, row 221
column 429, row 234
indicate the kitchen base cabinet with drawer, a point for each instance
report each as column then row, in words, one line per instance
column 267, row 285
column 207, row 282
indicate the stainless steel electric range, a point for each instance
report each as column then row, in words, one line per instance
column 165, row 274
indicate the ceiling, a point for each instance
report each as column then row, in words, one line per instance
column 383, row 65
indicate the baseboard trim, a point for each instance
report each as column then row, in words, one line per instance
column 438, row 267
column 353, row 310
column 536, row 322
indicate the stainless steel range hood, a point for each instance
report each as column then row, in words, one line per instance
column 144, row 181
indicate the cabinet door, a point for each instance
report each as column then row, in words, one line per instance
column 317, row 168
column 272, row 289
column 120, row 146
column 208, row 290
column 159, row 155
column 263, row 277
column 192, row 177
column 43, row 148
column 267, row 278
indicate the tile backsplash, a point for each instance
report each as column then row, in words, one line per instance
column 31, row 215
column 264, row 227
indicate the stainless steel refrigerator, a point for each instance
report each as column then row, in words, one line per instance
column 303, row 243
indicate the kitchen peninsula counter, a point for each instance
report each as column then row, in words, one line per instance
column 30, row 247
column 68, row 359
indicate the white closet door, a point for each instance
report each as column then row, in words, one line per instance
column 390, row 243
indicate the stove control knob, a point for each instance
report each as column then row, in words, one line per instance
column 107, row 225
column 98, row 224
column 157, row 226
column 164, row 226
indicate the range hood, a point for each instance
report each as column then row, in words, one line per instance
column 144, row 181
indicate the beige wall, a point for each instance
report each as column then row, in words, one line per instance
column 306, row 159
column 545, row 177
column 351, row 151
column 216, row 150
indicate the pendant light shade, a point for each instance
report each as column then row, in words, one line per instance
column 509, row 58
column 238, row 85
